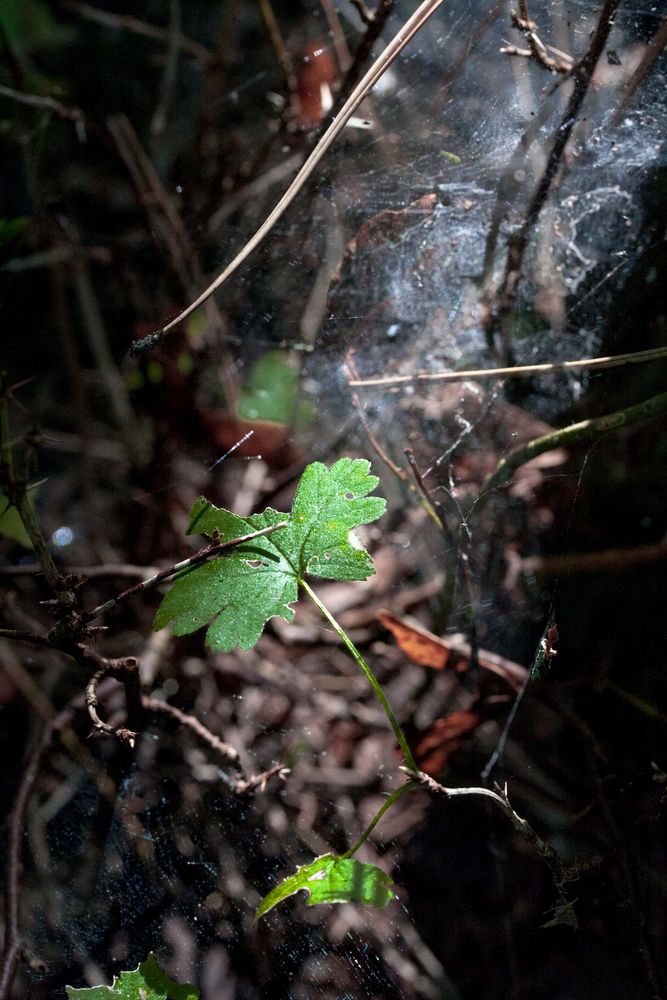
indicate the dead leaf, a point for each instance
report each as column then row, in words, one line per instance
column 428, row 650
column 421, row 646
column 435, row 745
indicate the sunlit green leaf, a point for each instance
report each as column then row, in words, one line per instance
column 146, row 982
column 238, row 592
column 329, row 879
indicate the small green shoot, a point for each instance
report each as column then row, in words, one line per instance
column 331, row 879
column 146, row 982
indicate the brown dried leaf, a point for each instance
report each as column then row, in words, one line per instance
column 428, row 650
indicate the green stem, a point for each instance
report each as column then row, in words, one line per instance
column 378, row 816
column 581, row 433
column 370, row 676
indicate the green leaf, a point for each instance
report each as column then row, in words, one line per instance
column 11, row 229
column 329, row 879
column 146, row 982
column 11, row 524
column 271, row 390
column 258, row 580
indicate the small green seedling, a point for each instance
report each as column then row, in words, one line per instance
column 236, row 594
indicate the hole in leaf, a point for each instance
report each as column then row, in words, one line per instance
column 349, row 496
column 327, row 555
column 255, row 563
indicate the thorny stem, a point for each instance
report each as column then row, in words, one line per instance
column 370, row 676
column 17, row 494
column 551, row 857
column 581, row 433
column 396, row 794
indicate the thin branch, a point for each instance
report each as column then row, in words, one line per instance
column 516, row 371
column 244, row 785
column 581, row 433
column 13, row 945
column 648, row 61
column 159, row 119
column 48, row 103
column 89, row 572
column 203, row 555
column 581, row 74
column 15, row 483
column 126, row 671
column 537, row 49
column 605, row 561
column 280, row 49
column 393, row 49
column 190, row 722
column 126, row 22
column 500, row 797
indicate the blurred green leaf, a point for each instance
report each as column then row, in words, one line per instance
column 329, row 879
column 11, row 524
column 146, row 982
column 11, row 229
column 271, row 390
column 30, row 25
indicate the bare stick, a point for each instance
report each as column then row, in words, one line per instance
column 128, row 23
column 604, row 561
column 516, row 371
column 203, row 555
column 518, row 242
column 13, row 942
column 38, row 101
column 244, row 785
column 190, row 722
column 500, row 797
column 393, row 49
column 536, row 50
column 650, row 57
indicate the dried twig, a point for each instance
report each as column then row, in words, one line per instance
column 13, row 940
column 604, row 561
column 225, row 750
column 582, row 73
column 515, row 371
column 365, row 85
column 537, row 50
column 49, row 103
column 500, row 797
column 244, row 785
column 14, row 480
column 203, row 555
column 126, row 22
column 648, row 61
